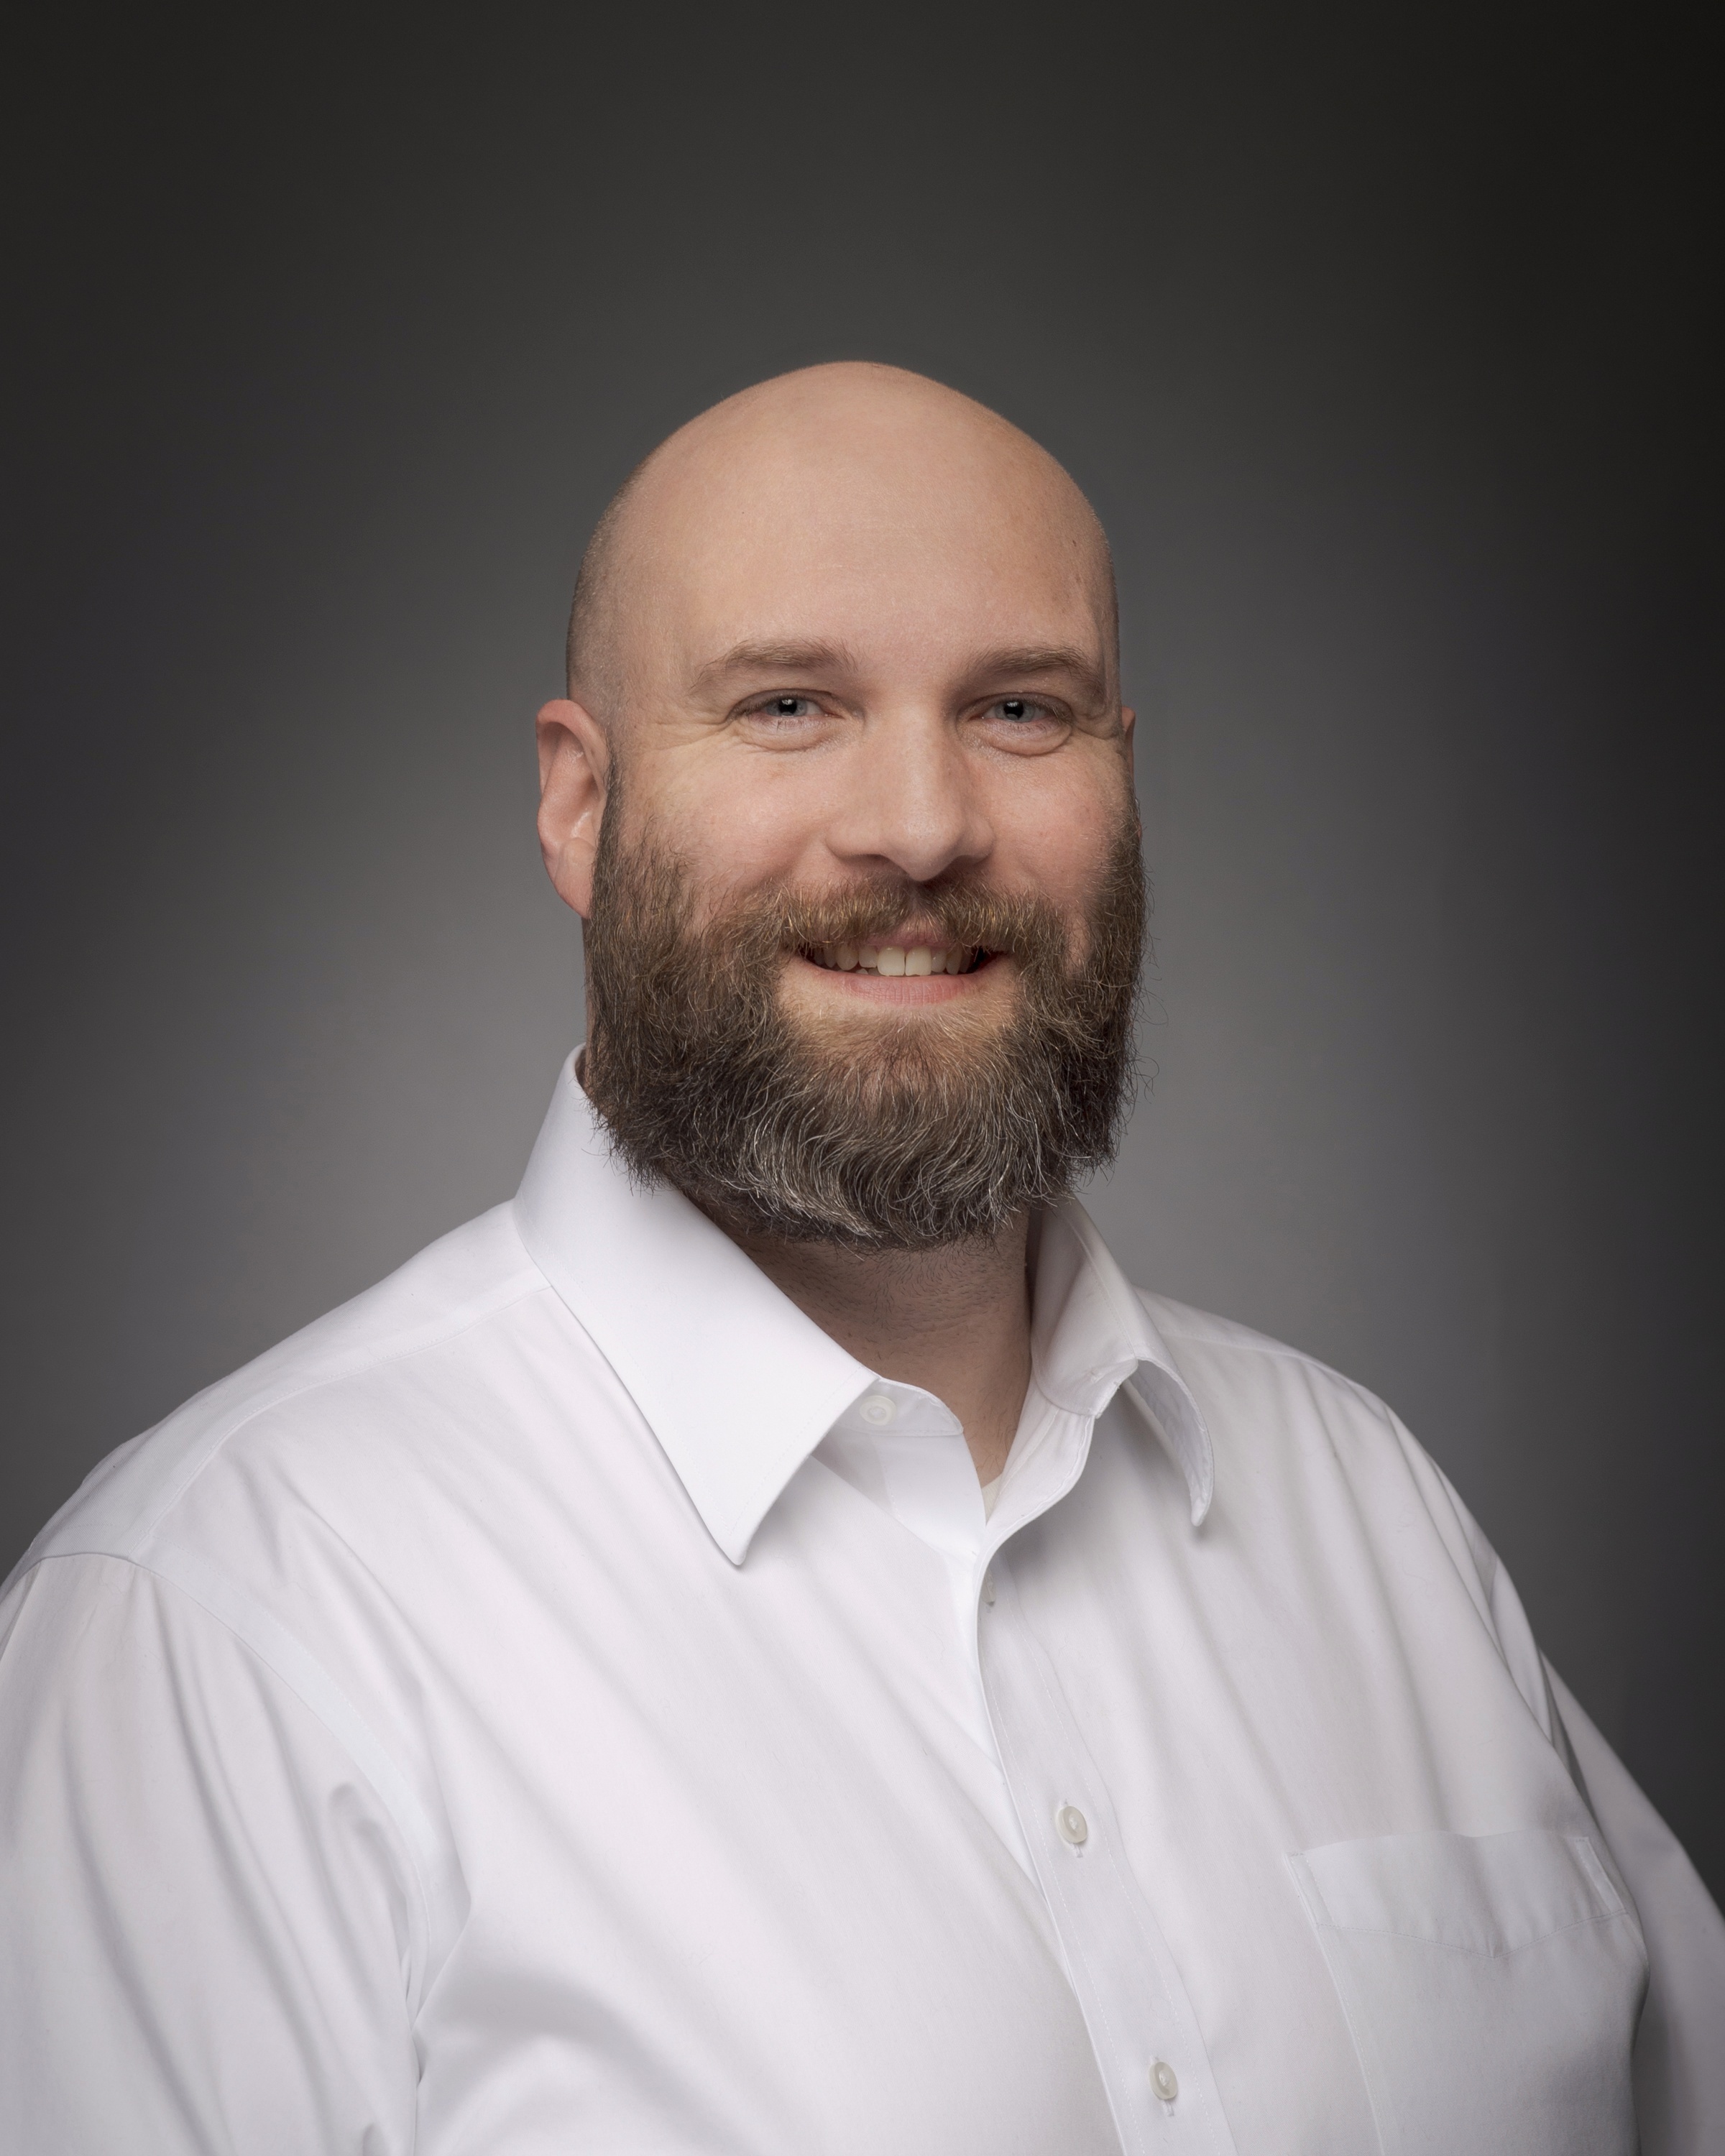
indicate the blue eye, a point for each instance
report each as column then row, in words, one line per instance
column 790, row 707
column 1019, row 709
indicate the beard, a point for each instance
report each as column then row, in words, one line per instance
column 886, row 1131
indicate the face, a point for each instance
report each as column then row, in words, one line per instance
column 868, row 844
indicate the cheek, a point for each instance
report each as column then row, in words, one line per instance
column 738, row 823
column 1060, row 838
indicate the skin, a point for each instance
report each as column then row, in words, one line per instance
column 931, row 592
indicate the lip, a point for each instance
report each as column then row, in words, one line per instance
column 901, row 990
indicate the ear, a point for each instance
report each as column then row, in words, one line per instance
column 574, row 759
column 1128, row 721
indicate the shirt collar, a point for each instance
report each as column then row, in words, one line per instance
column 737, row 1385
column 1090, row 1334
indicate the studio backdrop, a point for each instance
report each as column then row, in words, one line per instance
column 1387, row 348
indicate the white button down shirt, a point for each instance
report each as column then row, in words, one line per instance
column 563, row 1701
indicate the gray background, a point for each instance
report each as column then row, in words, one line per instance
column 1387, row 351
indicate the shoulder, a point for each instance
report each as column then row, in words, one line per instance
column 1298, row 1428
column 248, row 1594
column 1238, row 1365
column 1295, row 1440
column 390, row 1353
column 1273, row 1405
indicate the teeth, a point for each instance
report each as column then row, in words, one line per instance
column 893, row 960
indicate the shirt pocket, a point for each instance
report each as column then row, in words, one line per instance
column 1492, row 1984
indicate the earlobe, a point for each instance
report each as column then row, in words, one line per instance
column 573, row 761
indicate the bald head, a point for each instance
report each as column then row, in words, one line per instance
column 824, row 473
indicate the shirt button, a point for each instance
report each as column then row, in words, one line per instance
column 878, row 1409
column 1164, row 2080
column 1072, row 1826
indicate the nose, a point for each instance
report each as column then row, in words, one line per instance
column 910, row 801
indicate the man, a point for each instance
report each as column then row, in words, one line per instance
column 767, row 1643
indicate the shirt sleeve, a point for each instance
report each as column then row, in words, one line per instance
column 1680, row 2048
column 206, row 1919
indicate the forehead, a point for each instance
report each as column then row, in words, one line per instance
column 904, row 540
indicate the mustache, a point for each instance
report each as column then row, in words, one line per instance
column 1012, row 924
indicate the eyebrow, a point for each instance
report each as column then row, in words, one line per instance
column 1044, row 659
column 817, row 656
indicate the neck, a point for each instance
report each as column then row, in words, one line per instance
column 955, row 1321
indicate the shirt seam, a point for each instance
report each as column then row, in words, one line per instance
column 1475, row 1954
column 1257, row 1345
column 137, row 1538
column 406, row 1832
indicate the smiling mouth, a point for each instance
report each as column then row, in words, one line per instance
column 912, row 961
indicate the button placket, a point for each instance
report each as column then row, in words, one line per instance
column 1129, row 1989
